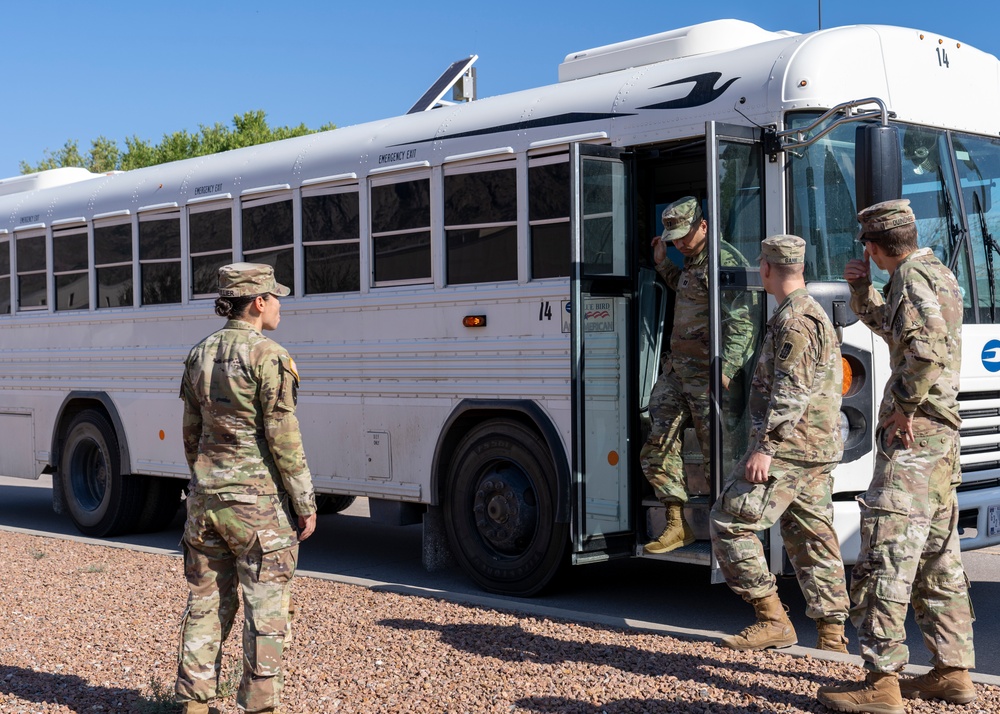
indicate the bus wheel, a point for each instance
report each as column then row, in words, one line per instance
column 499, row 509
column 101, row 501
column 332, row 503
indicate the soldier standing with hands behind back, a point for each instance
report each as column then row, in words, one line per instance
column 909, row 514
column 243, row 447
column 787, row 472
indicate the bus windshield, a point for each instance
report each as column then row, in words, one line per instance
column 823, row 208
column 978, row 163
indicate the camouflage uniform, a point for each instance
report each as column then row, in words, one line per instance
column 795, row 415
column 680, row 396
column 243, row 446
column 909, row 541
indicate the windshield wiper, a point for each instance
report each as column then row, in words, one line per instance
column 990, row 246
column 955, row 230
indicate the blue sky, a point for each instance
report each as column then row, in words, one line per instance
column 77, row 70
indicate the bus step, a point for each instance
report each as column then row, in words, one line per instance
column 695, row 513
column 699, row 552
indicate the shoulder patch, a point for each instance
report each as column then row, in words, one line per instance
column 288, row 363
column 786, row 349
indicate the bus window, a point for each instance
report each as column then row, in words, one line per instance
column 210, row 236
column 929, row 183
column 268, row 236
column 160, row 258
column 5, row 276
column 401, row 231
column 978, row 161
column 821, row 200
column 70, row 268
column 548, row 216
column 741, row 221
column 823, row 211
column 32, row 285
column 332, row 239
column 113, row 263
column 480, row 222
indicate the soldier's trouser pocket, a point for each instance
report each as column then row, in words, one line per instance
column 746, row 501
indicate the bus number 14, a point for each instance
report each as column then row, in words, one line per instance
column 943, row 57
column 544, row 310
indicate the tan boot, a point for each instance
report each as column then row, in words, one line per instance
column 831, row 636
column 676, row 535
column 952, row 684
column 772, row 629
column 196, row 708
column 878, row 693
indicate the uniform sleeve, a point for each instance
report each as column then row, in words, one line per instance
column 869, row 307
column 796, row 353
column 737, row 333
column 737, row 325
column 670, row 273
column 920, row 328
column 278, row 394
column 191, row 422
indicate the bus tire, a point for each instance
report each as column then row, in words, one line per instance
column 159, row 506
column 332, row 503
column 101, row 500
column 499, row 509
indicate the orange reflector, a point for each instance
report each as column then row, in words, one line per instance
column 848, row 375
column 613, row 458
column 474, row 320
column 162, row 435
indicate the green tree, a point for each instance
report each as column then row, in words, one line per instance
column 249, row 129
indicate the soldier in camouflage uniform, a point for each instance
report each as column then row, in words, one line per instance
column 248, row 475
column 786, row 474
column 909, row 514
column 680, row 397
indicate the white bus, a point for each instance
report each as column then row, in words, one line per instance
column 474, row 313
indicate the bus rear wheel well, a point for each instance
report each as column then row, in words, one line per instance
column 91, row 473
column 470, row 415
column 500, row 482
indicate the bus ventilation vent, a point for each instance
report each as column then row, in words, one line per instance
column 714, row 36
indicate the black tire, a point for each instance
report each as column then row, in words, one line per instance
column 159, row 507
column 332, row 503
column 499, row 509
column 101, row 500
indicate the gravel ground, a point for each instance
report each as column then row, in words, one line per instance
column 86, row 628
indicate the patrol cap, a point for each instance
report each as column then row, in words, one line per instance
column 885, row 215
column 246, row 279
column 679, row 216
column 783, row 250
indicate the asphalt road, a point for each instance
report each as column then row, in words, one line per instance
column 636, row 592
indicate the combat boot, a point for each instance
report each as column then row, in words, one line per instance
column 878, row 693
column 772, row 629
column 196, row 708
column 677, row 533
column 831, row 636
column 951, row 684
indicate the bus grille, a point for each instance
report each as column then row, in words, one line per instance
column 980, row 412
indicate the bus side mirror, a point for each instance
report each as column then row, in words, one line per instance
column 878, row 174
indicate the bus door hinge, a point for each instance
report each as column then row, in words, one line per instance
column 772, row 145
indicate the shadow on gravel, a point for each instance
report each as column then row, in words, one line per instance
column 74, row 693
column 564, row 705
column 514, row 644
